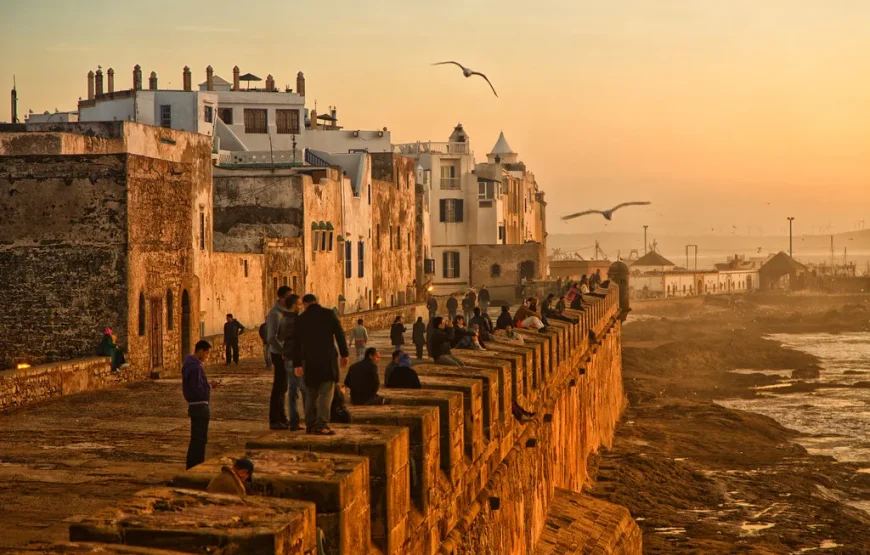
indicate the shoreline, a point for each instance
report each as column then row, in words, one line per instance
column 703, row 478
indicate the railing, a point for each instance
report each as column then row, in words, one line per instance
column 413, row 149
column 451, row 183
column 314, row 160
column 255, row 157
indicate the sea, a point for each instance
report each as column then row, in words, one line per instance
column 834, row 421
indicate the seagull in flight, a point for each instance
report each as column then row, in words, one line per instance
column 608, row 214
column 468, row 73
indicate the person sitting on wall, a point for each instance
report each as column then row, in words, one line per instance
column 481, row 322
column 561, row 305
column 442, row 337
column 233, row 480
column 476, row 343
column 555, row 313
column 403, row 376
column 511, row 335
column 363, row 381
column 463, row 338
column 418, row 334
column 394, row 362
column 109, row 348
column 527, row 318
column 533, row 306
column 504, row 319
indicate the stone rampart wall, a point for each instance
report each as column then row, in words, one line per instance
column 445, row 469
column 39, row 383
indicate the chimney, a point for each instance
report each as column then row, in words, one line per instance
column 90, row 85
column 185, row 76
column 334, row 113
column 111, row 75
column 137, row 78
column 14, row 104
column 236, row 78
column 313, row 123
column 300, row 84
column 152, row 81
column 209, row 79
column 99, row 82
column 270, row 83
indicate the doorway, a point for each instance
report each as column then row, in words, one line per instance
column 700, row 287
column 527, row 269
column 185, row 324
column 749, row 283
column 156, row 332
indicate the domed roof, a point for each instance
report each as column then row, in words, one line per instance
column 502, row 146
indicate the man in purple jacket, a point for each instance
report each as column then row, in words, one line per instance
column 197, row 392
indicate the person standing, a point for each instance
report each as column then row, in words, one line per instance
column 432, row 305
column 483, row 297
column 419, row 336
column 266, row 355
column 232, row 330
column 286, row 334
column 467, row 307
column 452, row 307
column 314, row 353
column 197, row 393
column 277, row 413
column 360, row 336
column 397, row 333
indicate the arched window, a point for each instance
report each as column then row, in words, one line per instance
column 170, row 310
column 495, row 271
column 141, row 314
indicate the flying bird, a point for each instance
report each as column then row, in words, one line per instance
column 608, row 214
column 468, row 73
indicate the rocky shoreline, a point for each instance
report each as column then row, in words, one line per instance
column 702, row 478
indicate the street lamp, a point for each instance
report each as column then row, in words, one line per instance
column 644, row 238
column 790, row 220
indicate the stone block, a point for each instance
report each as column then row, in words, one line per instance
column 450, row 419
column 338, row 485
column 513, row 386
column 195, row 521
column 71, row 548
column 472, row 408
column 489, row 379
column 386, row 447
column 424, row 438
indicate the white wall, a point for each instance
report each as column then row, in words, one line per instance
column 270, row 101
column 188, row 110
column 118, row 109
column 445, row 286
column 342, row 140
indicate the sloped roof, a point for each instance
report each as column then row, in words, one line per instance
column 502, row 146
column 782, row 263
column 652, row 258
column 218, row 80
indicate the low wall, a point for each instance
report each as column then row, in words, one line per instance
column 46, row 381
column 445, row 469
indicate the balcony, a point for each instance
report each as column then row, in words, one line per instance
column 451, row 183
column 416, row 149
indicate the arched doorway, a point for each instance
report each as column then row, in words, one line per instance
column 185, row 324
column 527, row 269
column 700, row 287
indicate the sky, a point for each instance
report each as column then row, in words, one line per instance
column 722, row 113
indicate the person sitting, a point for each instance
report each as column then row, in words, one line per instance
column 394, row 362
column 527, row 318
column 463, row 338
column 533, row 306
column 504, row 319
column 476, row 343
column 511, row 335
column 555, row 313
column 484, row 326
column 403, row 376
column 442, row 337
column 108, row 348
column 561, row 305
column 233, row 479
column 362, row 380
column 584, row 285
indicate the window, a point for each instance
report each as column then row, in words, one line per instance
column 226, row 115
column 495, row 271
column 398, row 238
column 315, row 243
column 348, row 263
column 451, row 264
column 165, row 115
column 170, row 310
column 361, row 252
column 246, row 268
column 429, row 265
column 409, row 241
column 287, row 121
column 255, row 120
column 293, row 281
column 378, row 236
column 323, row 240
column 485, row 190
column 209, row 114
column 370, row 194
column 501, row 233
column 275, row 283
column 201, row 229
column 285, row 281
column 449, row 179
column 451, row 210
column 141, row 314
column 329, row 241
column 391, row 237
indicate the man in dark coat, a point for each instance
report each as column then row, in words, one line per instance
column 403, row 377
column 432, row 305
column 397, row 332
column 419, row 336
column 452, row 307
column 363, row 381
column 484, row 325
column 197, row 393
column 483, row 297
column 232, row 330
column 317, row 331
column 442, row 337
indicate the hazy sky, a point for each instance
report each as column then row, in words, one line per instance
column 709, row 108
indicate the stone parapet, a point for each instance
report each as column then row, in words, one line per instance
column 450, row 469
column 47, row 381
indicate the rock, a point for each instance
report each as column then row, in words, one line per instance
column 808, row 373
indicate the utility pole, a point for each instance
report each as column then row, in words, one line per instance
column 644, row 238
column 790, row 220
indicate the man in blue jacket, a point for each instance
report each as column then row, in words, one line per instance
column 197, row 393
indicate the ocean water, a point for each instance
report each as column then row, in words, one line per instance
column 836, row 420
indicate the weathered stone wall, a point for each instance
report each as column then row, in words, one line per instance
column 322, row 206
column 394, row 231
column 63, row 256
column 509, row 259
column 29, row 143
column 284, row 263
column 47, row 381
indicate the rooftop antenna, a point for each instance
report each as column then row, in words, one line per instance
column 14, row 101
